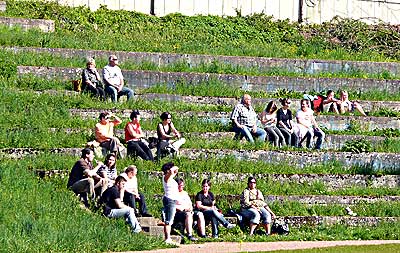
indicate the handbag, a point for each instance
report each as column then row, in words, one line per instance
column 280, row 227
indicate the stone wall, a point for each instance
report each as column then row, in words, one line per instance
column 331, row 122
column 3, row 6
column 41, row 24
column 261, row 63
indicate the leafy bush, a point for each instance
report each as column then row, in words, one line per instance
column 357, row 146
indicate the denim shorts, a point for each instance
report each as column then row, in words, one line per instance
column 169, row 210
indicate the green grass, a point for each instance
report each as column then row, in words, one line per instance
column 390, row 248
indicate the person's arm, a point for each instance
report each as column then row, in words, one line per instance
column 270, row 211
column 173, row 130
column 116, row 120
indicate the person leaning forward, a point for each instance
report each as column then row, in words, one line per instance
column 244, row 120
column 83, row 178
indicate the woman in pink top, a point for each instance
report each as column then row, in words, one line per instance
column 133, row 138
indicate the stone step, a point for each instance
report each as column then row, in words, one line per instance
column 193, row 60
column 27, row 23
column 331, row 181
column 141, row 79
column 331, row 122
column 148, row 221
column 332, row 141
column 389, row 162
column 3, row 6
column 301, row 221
column 230, row 101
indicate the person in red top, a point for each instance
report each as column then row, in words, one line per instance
column 133, row 138
column 104, row 132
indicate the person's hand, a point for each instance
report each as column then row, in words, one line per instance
column 254, row 129
column 137, row 196
column 99, row 163
column 273, row 215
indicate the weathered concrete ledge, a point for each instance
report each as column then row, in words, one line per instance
column 331, row 122
column 140, row 79
column 3, row 6
column 230, row 101
column 375, row 161
column 331, row 141
column 309, row 199
column 26, row 23
column 261, row 63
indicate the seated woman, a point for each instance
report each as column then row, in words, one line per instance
column 133, row 138
column 285, row 122
column 254, row 208
column 165, row 132
column 345, row 105
column 269, row 120
column 108, row 170
column 91, row 81
column 205, row 204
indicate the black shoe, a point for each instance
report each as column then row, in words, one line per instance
column 147, row 215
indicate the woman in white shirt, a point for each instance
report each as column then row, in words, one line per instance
column 269, row 120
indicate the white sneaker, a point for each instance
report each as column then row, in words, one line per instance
column 230, row 225
column 171, row 242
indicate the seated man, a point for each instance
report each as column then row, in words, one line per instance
column 104, row 132
column 184, row 209
column 83, row 178
column 115, row 208
column 244, row 120
column 114, row 80
column 132, row 194
column 307, row 126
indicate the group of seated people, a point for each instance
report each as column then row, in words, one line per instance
column 178, row 207
column 279, row 125
column 169, row 140
column 113, row 79
column 119, row 194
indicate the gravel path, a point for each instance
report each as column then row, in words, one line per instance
column 224, row 247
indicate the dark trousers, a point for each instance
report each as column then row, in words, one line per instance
column 138, row 148
column 96, row 92
column 291, row 138
column 130, row 200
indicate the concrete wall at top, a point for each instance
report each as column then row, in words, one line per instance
column 315, row 11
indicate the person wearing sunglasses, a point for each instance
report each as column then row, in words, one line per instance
column 254, row 208
column 114, row 80
column 285, row 122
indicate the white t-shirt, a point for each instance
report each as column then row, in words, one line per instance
column 305, row 117
column 113, row 75
column 131, row 184
column 170, row 189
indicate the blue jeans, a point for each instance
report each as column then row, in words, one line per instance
column 169, row 210
column 317, row 133
column 248, row 134
column 129, row 215
column 215, row 217
column 112, row 92
column 255, row 216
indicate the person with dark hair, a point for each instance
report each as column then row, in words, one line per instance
column 171, row 195
column 108, row 170
column 244, row 121
column 91, row 81
column 205, row 204
column 254, row 208
column 83, row 178
column 184, row 209
column 269, row 120
column 329, row 103
column 285, row 122
column 115, row 208
column 104, row 132
column 114, row 80
column 165, row 132
column 132, row 194
column 307, row 126
column 133, row 138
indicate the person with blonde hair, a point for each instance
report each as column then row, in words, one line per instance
column 345, row 105
column 91, row 81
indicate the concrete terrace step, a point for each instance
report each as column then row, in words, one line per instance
column 230, row 101
column 373, row 160
column 140, row 79
column 27, row 23
column 331, row 122
column 332, row 141
column 336, row 181
column 261, row 63
column 376, row 161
